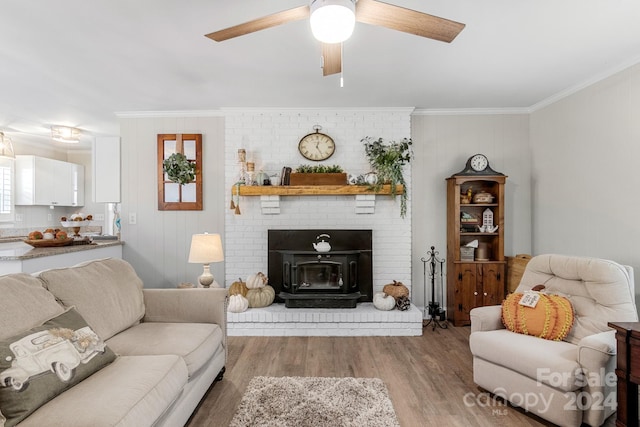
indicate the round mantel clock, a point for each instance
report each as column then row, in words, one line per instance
column 317, row 146
column 478, row 164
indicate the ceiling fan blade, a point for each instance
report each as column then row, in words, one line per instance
column 409, row 21
column 331, row 58
column 263, row 23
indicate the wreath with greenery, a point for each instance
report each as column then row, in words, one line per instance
column 387, row 161
column 179, row 169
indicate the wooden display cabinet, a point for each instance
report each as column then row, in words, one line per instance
column 481, row 281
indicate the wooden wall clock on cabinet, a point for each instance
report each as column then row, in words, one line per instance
column 479, row 280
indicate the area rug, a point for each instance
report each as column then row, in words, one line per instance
column 315, row 402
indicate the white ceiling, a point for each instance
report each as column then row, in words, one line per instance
column 78, row 62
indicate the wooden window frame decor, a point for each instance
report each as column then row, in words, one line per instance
column 169, row 144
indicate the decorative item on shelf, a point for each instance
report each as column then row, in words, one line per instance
column 383, row 301
column 237, row 304
column 396, row 289
column 482, row 252
column 251, row 173
column 322, row 246
column 467, row 254
column 205, row 249
column 478, row 164
column 466, row 197
column 387, row 161
column 433, row 310
column 318, row 175
column 482, row 197
column 262, row 178
column 186, row 285
column 468, row 221
column 242, row 165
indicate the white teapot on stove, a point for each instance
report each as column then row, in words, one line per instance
column 322, row 245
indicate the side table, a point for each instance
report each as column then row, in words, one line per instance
column 627, row 371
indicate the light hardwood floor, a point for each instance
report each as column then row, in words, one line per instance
column 428, row 377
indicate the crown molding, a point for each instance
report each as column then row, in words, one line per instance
column 174, row 113
column 341, row 110
column 585, row 84
column 469, row 111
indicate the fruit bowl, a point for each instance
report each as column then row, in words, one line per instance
column 75, row 225
column 43, row 243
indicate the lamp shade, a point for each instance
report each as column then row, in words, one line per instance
column 332, row 21
column 206, row 248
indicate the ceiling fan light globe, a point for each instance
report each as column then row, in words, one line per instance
column 332, row 21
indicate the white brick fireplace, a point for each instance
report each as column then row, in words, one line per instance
column 270, row 138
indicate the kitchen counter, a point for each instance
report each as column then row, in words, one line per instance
column 17, row 256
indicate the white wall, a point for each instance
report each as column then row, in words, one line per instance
column 442, row 144
column 271, row 140
column 158, row 245
column 585, row 173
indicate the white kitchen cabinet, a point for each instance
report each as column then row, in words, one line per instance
column 49, row 182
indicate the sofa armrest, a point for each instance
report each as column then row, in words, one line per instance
column 597, row 358
column 488, row 318
column 186, row 306
column 594, row 351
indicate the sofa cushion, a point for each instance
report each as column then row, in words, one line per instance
column 553, row 363
column 25, row 304
column 107, row 293
column 132, row 391
column 39, row 364
column 551, row 318
column 599, row 290
column 196, row 343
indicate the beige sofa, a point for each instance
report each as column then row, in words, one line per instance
column 170, row 346
column 567, row 382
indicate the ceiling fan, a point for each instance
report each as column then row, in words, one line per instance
column 340, row 16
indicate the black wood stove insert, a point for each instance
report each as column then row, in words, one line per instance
column 336, row 275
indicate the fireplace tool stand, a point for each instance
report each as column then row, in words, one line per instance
column 437, row 315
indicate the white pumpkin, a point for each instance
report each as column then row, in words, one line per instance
column 237, row 304
column 258, row 280
column 383, row 302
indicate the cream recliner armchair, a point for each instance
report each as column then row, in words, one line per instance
column 566, row 382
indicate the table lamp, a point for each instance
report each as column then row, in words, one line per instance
column 205, row 249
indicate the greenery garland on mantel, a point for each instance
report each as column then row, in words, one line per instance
column 179, row 169
column 387, row 160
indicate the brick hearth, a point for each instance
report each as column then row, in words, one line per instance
column 364, row 320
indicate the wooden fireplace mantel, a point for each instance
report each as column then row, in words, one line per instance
column 311, row 190
column 270, row 194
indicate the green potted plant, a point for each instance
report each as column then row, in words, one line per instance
column 318, row 175
column 179, row 169
column 387, row 159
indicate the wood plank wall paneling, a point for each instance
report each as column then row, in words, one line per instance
column 158, row 245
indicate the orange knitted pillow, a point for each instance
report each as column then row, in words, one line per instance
column 552, row 318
